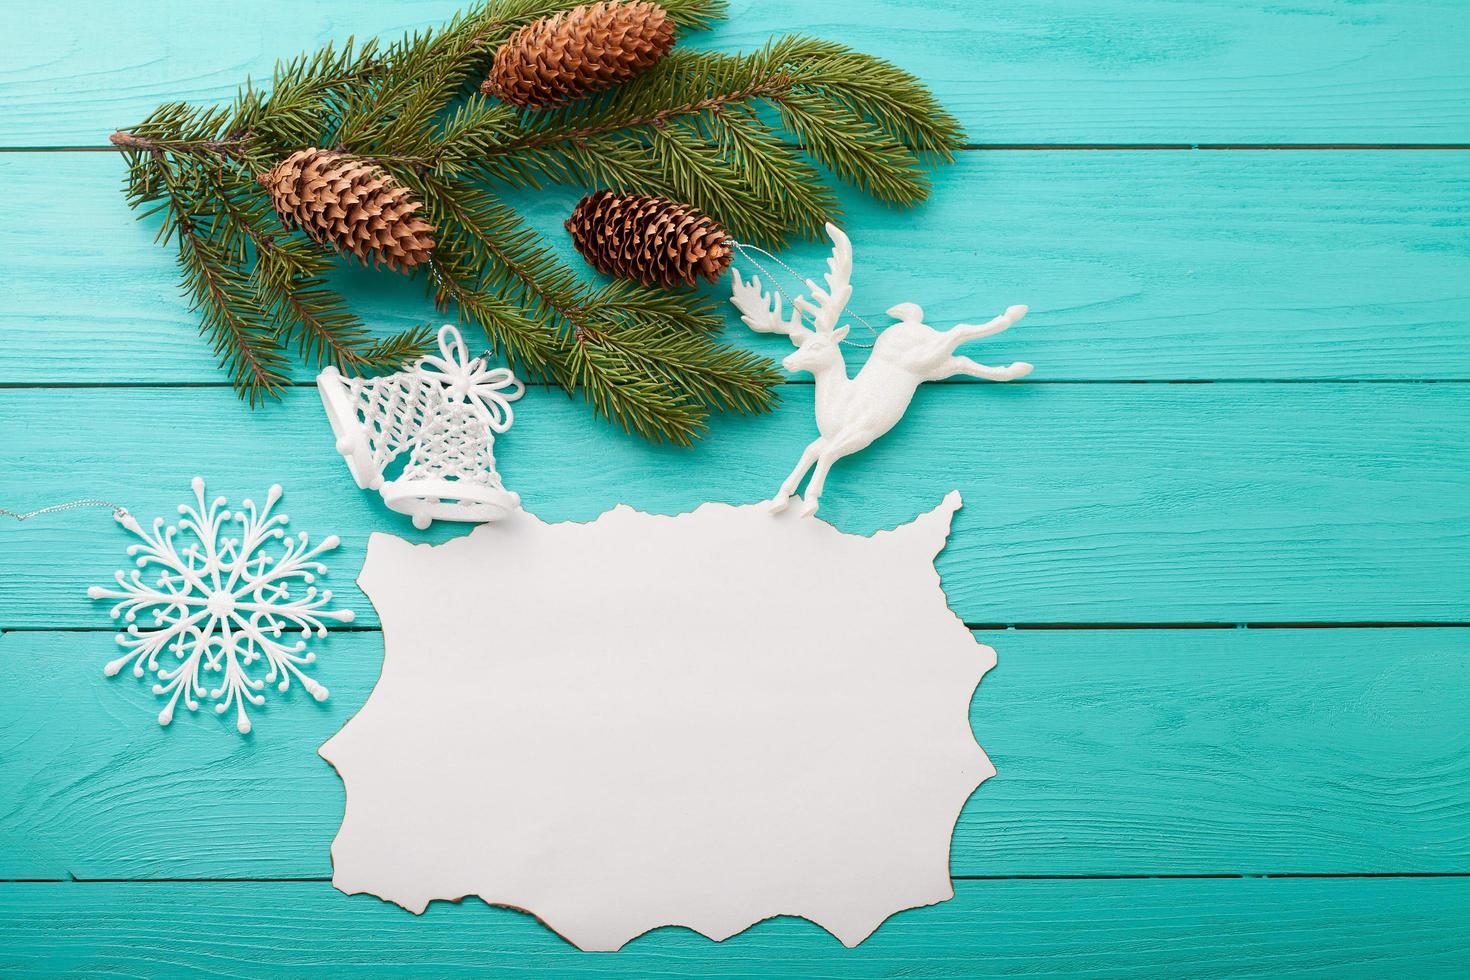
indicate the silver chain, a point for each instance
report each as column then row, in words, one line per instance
column 745, row 249
column 118, row 511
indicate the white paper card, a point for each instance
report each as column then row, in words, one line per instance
column 702, row 720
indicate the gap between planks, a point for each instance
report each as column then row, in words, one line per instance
column 979, row 627
column 807, row 382
column 999, row 147
column 1284, row 875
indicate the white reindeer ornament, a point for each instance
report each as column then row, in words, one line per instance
column 852, row 412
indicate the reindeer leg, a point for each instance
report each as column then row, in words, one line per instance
column 963, row 333
column 783, row 496
column 819, row 479
column 963, row 365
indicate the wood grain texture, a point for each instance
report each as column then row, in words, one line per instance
column 1167, row 265
column 1083, row 503
column 1060, row 71
column 1270, row 928
column 1120, row 752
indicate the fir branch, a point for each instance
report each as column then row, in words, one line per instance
column 607, row 338
column 523, row 342
column 615, row 388
column 394, row 112
column 777, row 172
column 398, row 349
column 551, row 133
column 238, row 327
column 871, row 88
column 244, row 225
column 718, row 377
column 689, row 310
column 689, row 128
column 303, row 93
column 701, row 175
column 469, row 134
column 742, row 137
column 635, row 402
column 241, row 330
column 326, row 332
column 853, row 148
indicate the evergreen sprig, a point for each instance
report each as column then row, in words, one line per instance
column 745, row 138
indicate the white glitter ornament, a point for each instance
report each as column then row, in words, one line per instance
column 852, row 412
column 445, row 410
column 451, row 473
column 220, row 605
column 374, row 419
column 487, row 391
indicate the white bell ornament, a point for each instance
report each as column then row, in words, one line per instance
column 444, row 409
column 451, row 473
column 373, row 419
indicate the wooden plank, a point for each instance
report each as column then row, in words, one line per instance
column 1339, row 928
column 1068, row 71
column 1255, row 266
column 1084, row 503
column 1120, row 752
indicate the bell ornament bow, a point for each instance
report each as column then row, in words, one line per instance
column 488, row 391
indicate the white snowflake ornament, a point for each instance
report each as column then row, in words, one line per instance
column 221, row 605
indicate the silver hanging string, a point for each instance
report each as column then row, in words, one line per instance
column 745, row 249
column 118, row 511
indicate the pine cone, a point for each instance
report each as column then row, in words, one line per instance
column 578, row 52
column 650, row 240
column 351, row 205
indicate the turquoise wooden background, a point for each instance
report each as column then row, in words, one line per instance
column 1220, row 538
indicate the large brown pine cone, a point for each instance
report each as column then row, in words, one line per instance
column 578, row 52
column 650, row 240
column 350, row 205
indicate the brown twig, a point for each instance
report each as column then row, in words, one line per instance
column 124, row 140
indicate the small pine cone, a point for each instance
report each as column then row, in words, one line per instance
column 351, row 205
column 578, row 52
column 650, row 240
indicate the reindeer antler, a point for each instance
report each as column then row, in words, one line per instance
column 761, row 312
column 833, row 300
column 764, row 313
